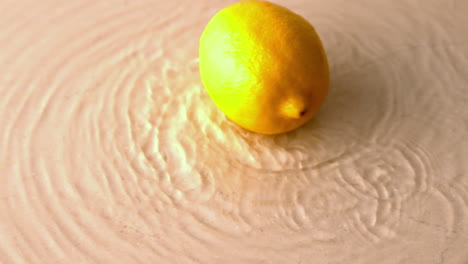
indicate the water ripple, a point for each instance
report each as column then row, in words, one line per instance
column 113, row 151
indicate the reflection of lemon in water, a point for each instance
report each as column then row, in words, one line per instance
column 264, row 66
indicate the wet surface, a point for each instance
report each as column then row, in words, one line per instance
column 112, row 152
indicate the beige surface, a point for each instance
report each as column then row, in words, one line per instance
column 111, row 151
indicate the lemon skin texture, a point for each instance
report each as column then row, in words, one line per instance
column 263, row 66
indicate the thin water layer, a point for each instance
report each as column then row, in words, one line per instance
column 111, row 151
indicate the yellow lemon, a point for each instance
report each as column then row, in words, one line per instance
column 263, row 66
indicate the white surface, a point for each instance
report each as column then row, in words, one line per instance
column 111, row 151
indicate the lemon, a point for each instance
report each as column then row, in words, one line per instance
column 263, row 66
